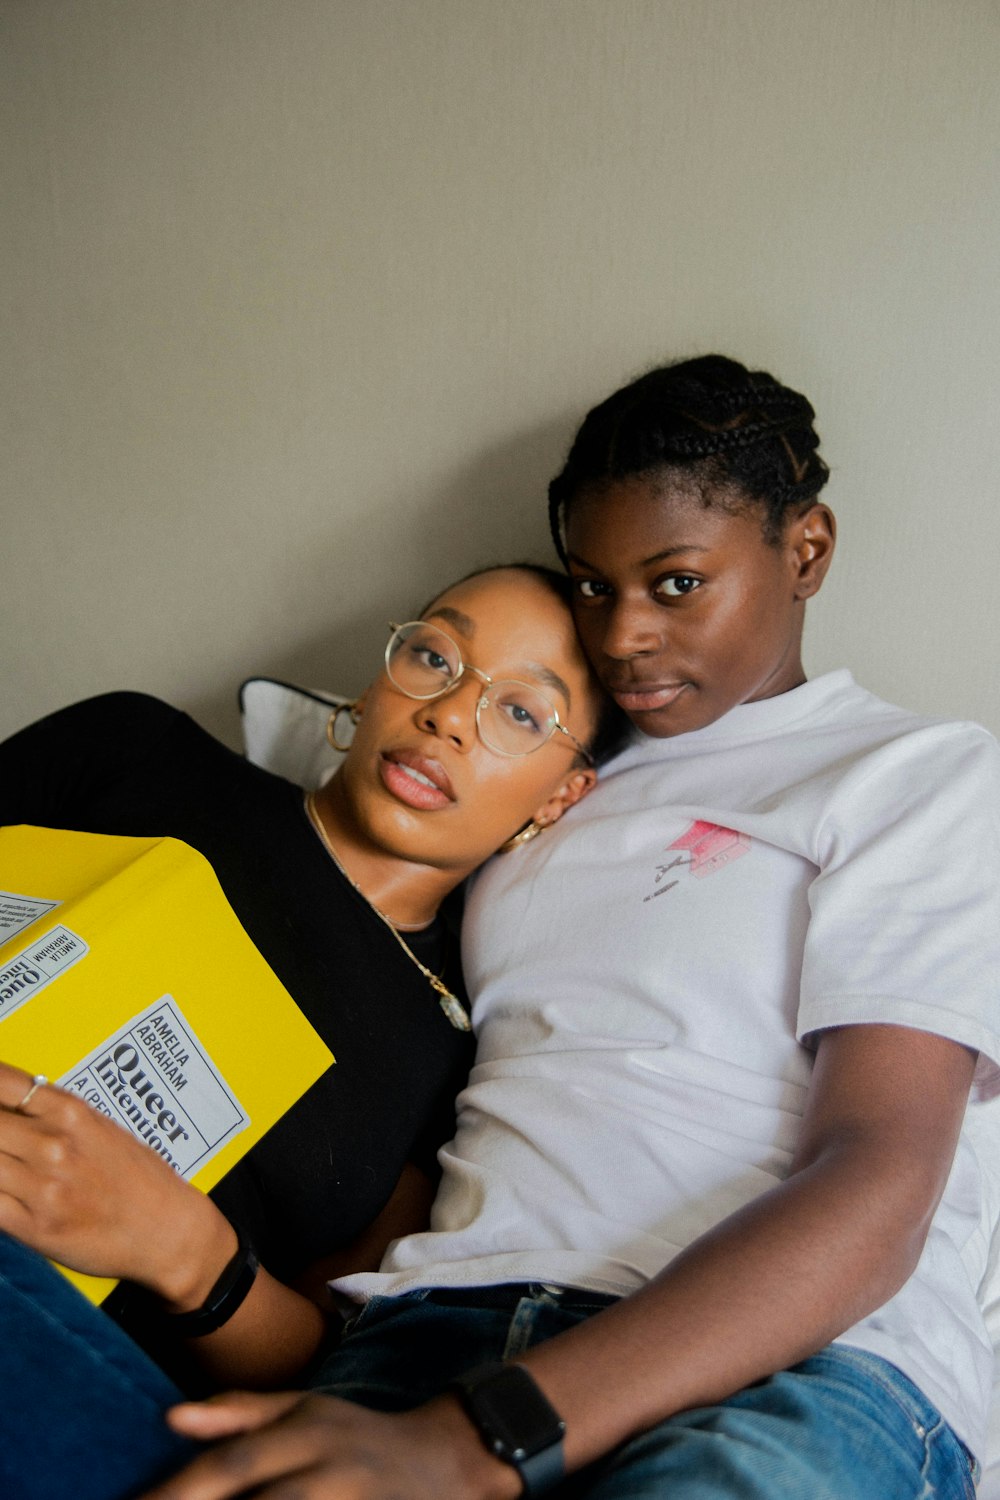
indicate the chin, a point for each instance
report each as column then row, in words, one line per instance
column 664, row 724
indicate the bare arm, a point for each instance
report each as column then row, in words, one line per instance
column 277, row 1329
column 81, row 1190
column 776, row 1281
column 879, row 1134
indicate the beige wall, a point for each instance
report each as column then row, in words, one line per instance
column 306, row 296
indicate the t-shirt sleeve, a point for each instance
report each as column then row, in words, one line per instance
column 56, row 769
column 905, row 911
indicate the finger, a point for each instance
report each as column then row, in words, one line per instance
column 52, row 1111
column 18, row 1181
column 33, row 1207
column 15, row 1220
column 247, row 1463
column 14, row 1084
column 27, row 1096
column 230, row 1413
column 16, row 1135
column 190, row 1484
column 22, row 1135
column 45, row 1145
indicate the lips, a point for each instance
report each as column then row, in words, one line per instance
column 416, row 780
column 639, row 698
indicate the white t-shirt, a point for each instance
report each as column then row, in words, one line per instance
column 646, row 977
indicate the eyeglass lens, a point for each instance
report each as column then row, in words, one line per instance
column 423, row 662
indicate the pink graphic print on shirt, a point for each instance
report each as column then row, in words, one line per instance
column 703, row 849
column 711, row 847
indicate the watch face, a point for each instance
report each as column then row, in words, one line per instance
column 514, row 1417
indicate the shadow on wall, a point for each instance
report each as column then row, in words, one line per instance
column 492, row 510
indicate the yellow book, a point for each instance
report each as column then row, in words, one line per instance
column 126, row 977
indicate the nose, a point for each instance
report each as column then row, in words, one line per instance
column 453, row 715
column 631, row 628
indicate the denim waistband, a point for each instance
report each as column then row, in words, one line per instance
column 506, row 1295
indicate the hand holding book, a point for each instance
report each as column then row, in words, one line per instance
column 83, row 1191
column 126, row 977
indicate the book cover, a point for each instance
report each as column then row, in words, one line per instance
column 126, row 977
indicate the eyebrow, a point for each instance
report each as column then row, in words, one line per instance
column 455, row 617
column 467, row 627
column 645, row 562
column 546, row 675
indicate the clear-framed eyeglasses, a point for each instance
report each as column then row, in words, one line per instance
column 513, row 718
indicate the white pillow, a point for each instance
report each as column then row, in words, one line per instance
column 284, row 730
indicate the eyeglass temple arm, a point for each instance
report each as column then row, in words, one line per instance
column 571, row 736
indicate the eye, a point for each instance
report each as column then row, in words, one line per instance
column 428, row 657
column 521, row 715
column 676, row 585
column 589, row 588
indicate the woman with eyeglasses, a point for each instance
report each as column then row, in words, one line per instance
column 482, row 730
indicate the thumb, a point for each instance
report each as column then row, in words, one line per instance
column 230, row 1413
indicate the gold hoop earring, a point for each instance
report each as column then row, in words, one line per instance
column 528, row 832
column 354, row 713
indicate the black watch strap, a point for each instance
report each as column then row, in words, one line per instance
column 517, row 1422
column 228, row 1293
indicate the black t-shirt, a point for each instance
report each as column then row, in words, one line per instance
column 128, row 764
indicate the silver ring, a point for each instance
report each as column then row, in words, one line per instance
column 38, row 1082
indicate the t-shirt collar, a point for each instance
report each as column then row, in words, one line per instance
column 751, row 721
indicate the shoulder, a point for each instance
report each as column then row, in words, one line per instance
column 107, row 734
column 857, row 743
column 920, row 747
column 931, row 785
column 128, row 708
column 108, row 712
column 860, row 701
column 841, row 706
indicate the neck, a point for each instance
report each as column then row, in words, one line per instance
column 405, row 891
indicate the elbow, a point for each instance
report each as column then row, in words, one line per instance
column 899, row 1206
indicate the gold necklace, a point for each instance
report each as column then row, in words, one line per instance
column 448, row 1002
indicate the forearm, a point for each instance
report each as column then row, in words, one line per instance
column 278, row 1329
column 268, row 1341
column 776, row 1281
column 763, row 1290
column 273, row 1332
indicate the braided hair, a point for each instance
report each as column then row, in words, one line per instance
column 738, row 433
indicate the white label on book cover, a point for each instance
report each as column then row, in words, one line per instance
column 17, row 913
column 155, row 1077
column 28, row 972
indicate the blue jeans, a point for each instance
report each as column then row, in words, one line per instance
column 843, row 1425
column 81, row 1407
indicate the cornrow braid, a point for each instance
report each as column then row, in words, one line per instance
column 762, row 396
column 733, row 429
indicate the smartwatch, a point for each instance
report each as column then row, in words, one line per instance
column 515, row 1422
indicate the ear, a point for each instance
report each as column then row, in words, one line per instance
column 811, row 539
column 576, row 786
